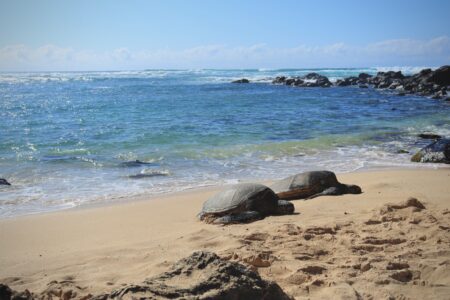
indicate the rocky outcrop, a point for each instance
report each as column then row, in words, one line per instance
column 219, row 279
column 309, row 80
column 243, row 80
column 427, row 82
column 436, row 152
column 4, row 182
column 440, row 76
column 202, row 275
column 389, row 79
column 362, row 80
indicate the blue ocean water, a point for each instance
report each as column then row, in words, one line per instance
column 68, row 139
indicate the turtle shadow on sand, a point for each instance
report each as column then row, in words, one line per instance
column 312, row 184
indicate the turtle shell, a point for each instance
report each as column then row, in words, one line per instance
column 303, row 185
column 242, row 197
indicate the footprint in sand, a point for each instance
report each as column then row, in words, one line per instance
column 378, row 241
column 289, row 229
column 313, row 270
column 256, row 236
column 403, row 276
column 397, row 266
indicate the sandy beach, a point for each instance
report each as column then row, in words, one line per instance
column 155, row 150
column 349, row 246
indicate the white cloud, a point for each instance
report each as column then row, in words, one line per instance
column 390, row 52
column 436, row 46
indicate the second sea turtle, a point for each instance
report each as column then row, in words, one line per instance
column 312, row 184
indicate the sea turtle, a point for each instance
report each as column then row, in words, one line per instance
column 244, row 202
column 312, row 184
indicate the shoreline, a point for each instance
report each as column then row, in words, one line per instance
column 101, row 248
column 123, row 200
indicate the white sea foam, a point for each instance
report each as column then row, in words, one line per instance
column 105, row 185
column 407, row 70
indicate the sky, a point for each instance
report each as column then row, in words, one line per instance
column 69, row 35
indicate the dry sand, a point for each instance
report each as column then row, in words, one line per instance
column 334, row 247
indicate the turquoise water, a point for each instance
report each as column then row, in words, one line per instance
column 66, row 137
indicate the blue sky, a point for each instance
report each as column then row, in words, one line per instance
column 110, row 35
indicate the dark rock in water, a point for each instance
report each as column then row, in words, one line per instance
column 323, row 82
column 436, row 152
column 425, row 83
column 298, row 82
column 385, row 79
column 439, row 95
column 279, row 80
column 352, row 80
column 363, row 86
column 441, row 76
column 290, row 81
column 384, row 84
column 4, row 182
column 243, row 80
column 203, row 275
column 430, row 136
column 364, row 76
column 391, row 75
column 320, row 80
column 313, row 76
column 136, row 163
column 395, row 85
column 428, row 82
column 342, row 82
column 294, row 81
column 309, row 80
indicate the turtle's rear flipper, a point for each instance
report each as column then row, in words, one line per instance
column 332, row 191
column 243, row 217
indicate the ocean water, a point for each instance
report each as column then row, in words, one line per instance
column 68, row 139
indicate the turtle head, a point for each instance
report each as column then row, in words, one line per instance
column 353, row 189
column 284, row 208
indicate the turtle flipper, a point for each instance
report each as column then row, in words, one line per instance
column 242, row 217
column 331, row 191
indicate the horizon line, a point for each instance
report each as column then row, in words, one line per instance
column 262, row 69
